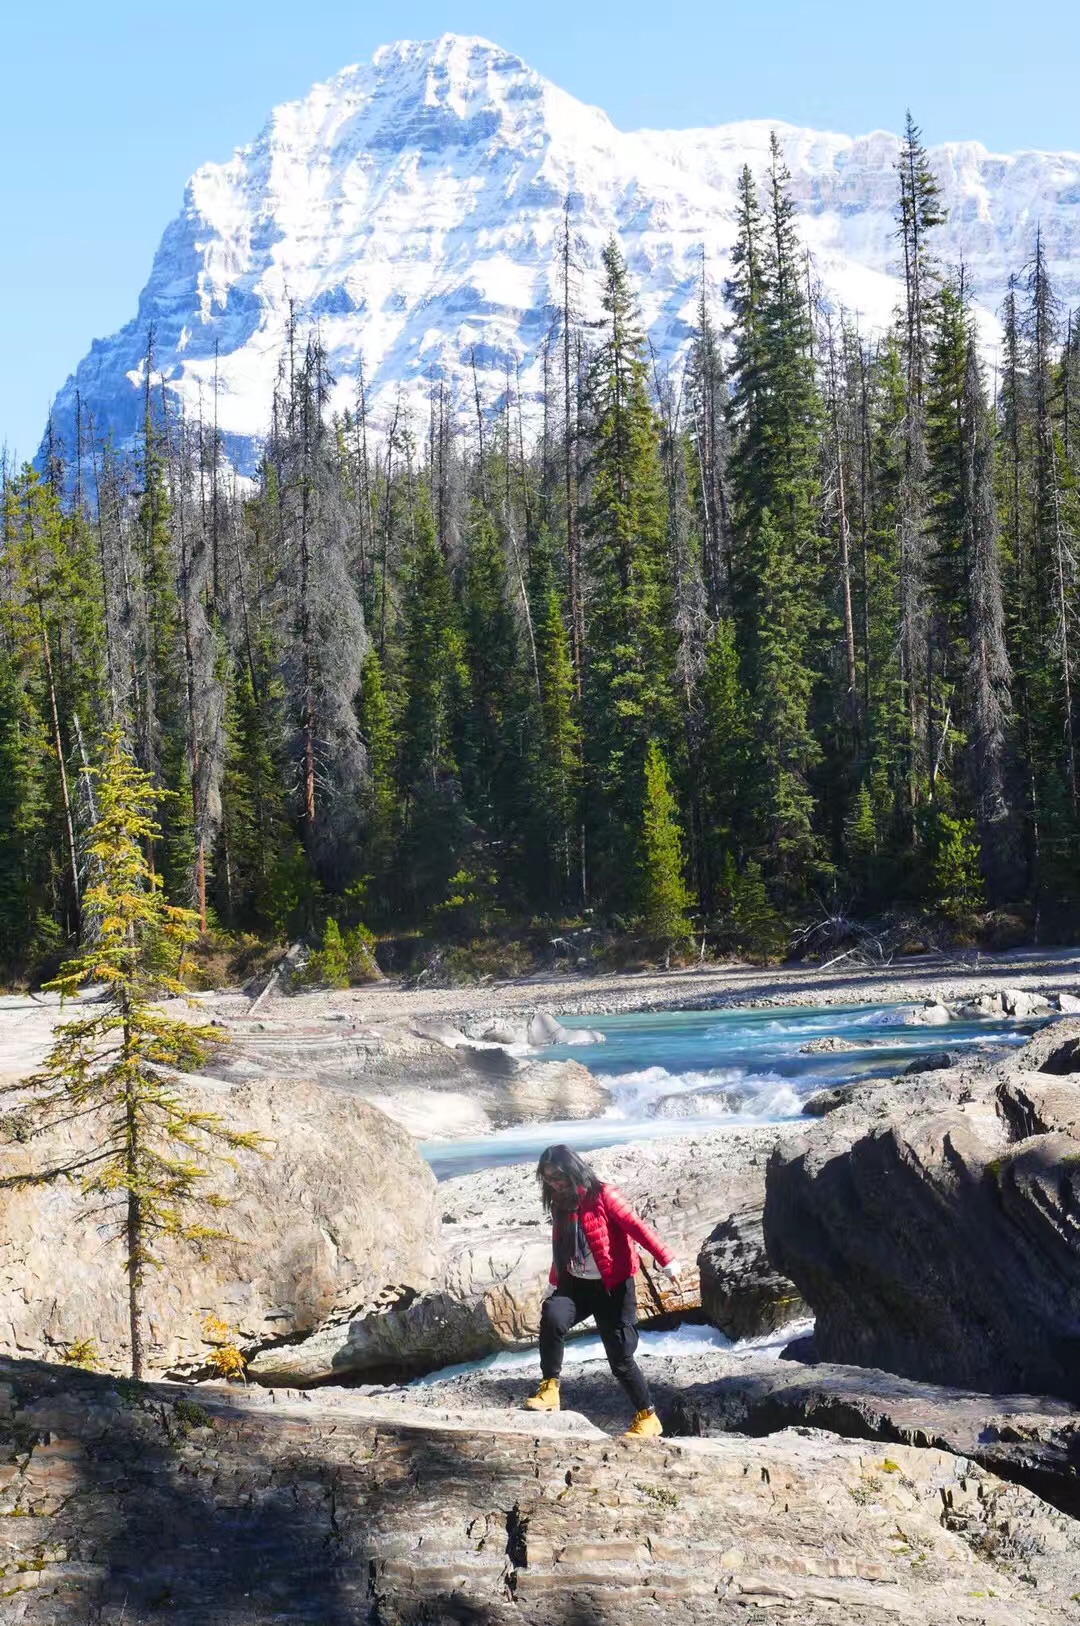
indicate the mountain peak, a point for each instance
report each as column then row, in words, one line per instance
column 456, row 52
column 412, row 207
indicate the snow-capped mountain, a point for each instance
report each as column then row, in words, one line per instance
column 412, row 207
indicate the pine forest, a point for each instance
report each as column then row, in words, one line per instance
column 695, row 663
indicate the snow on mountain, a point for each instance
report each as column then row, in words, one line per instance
column 412, row 207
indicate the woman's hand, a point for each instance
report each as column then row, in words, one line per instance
column 672, row 1270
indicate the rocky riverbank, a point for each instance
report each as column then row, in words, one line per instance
column 930, row 1222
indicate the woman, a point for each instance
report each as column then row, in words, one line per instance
column 595, row 1260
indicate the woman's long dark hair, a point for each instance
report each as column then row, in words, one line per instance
column 562, row 1160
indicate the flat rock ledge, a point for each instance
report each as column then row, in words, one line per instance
column 138, row 1504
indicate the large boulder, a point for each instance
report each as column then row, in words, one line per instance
column 1033, row 1105
column 931, row 1014
column 741, row 1291
column 934, row 1061
column 496, row 1253
column 931, row 1245
column 340, row 1207
column 1054, row 1049
column 545, row 1029
column 1022, row 1002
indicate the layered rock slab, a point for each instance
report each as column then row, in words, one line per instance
column 1031, row 1439
column 223, row 1507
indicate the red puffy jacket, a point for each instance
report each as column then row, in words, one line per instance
column 611, row 1229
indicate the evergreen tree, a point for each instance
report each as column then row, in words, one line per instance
column 560, row 772
column 948, row 537
column 919, row 213
column 987, row 680
column 628, row 691
column 379, row 734
column 707, row 395
column 435, row 703
column 492, row 766
column 727, row 760
column 26, row 933
column 148, row 1166
column 777, row 416
column 666, row 900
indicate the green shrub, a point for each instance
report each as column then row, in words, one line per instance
column 345, row 958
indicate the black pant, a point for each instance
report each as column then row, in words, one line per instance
column 615, row 1314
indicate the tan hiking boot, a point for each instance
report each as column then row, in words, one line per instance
column 646, row 1426
column 546, row 1397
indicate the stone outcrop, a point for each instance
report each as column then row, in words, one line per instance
column 930, row 1242
column 434, row 1079
column 209, row 1505
column 341, row 1207
column 830, row 1099
column 741, row 1292
column 1032, row 1104
column 935, row 1061
column 496, row 1253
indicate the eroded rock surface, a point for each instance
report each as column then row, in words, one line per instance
column 432, row 1078
column 1032, row 1439
column 742, row 1293
column 341, row 1207
column 226, row 1507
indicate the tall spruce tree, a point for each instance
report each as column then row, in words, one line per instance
column 777, row 414
column 628, row 688
column 919, row 212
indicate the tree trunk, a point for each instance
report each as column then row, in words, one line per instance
column 134, row 1272
column 134, row 1227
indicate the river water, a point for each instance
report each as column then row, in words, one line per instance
column 672, row 1072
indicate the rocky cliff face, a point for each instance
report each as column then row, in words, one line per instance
column 237, row 1509
column 412, row 208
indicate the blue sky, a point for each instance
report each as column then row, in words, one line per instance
column 106, row 109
